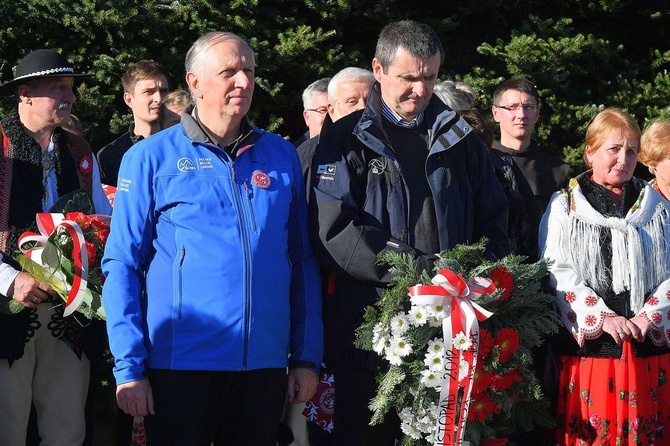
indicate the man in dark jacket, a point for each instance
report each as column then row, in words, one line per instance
column 405, row 174
column 145, row 84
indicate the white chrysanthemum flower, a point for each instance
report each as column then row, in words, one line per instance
column 418, row 315
column 401, row 347
column 436, row 345
column 378, row 331
column 399, row 324
column 440, row 312
column 426, row 424
column 430, row 378
column 393, row 357
column 434, row 322
column 434, row 361
column 406, row 415
column 462, row 342
column 381, row 345
column 411, row 431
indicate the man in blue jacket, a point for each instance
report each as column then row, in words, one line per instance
column 211, row 283
column 404, row 174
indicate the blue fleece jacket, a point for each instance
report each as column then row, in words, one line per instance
column 208, row 262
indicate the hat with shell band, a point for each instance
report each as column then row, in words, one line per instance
column 39, row 64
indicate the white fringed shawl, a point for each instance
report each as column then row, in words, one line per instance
column 638, row 245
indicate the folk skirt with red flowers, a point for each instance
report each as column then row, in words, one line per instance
column 614, row 401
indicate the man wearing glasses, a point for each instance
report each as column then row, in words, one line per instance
column 517, row 108
column 315, row 103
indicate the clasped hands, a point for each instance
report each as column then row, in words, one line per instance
column 622, row 329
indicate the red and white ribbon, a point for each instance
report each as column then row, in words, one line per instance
column 450, row 291
column 47, row 224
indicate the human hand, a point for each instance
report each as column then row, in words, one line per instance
column 135, row 397
column 621, row 329
column 301, row 385
column 28, row 290
column 642, row 323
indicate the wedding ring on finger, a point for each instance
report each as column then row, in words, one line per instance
column 35, row 300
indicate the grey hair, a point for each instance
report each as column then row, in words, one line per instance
column 319, row 86
column 349, row 74
column 418, row 39
column 195, row 57
column 457, row 95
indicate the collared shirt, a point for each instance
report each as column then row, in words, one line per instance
column 232, row 148
column 398, row 120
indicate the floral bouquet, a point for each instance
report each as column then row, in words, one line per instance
column 460, row 349
column 66, row 254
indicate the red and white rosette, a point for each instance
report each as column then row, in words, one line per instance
column 450, row 291
column 47, row 224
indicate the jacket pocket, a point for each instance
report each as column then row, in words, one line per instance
column 250, row 206
column 179, row 278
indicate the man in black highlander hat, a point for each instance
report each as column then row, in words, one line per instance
column 41, row 357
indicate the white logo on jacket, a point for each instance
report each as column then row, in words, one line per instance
column 185, row 164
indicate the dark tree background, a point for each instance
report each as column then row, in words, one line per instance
column 582, row 55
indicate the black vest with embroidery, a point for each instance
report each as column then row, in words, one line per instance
column 21, row 192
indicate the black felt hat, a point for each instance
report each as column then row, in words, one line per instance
column 40, row 64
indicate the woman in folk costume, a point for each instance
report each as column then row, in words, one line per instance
column 655, row 154
column 606, row 239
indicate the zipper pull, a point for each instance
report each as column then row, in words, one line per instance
column 247, row 190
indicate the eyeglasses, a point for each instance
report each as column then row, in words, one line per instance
column 517, row 107
column 320, row 110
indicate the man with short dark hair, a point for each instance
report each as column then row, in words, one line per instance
column 211, row 282
column 516, row 108
column 405, row 174
column 145, row 84
column 528, row 175
column 42, row 360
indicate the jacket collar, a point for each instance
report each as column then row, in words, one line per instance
column 249, row 135
column 444, row 125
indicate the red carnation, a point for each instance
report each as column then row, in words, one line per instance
column 486, row 343
column 481, row 405
column 507, row 341
column 502, row 279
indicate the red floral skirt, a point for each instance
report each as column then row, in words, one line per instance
column 614, row 401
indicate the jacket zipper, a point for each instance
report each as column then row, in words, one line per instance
column 180, row 281
column 247, row 264
column 251, row 207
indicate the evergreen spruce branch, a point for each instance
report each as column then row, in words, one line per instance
column 532, row 327
column 386, row 394
column 468, row 256
column 364, row 332
column 532, row 413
